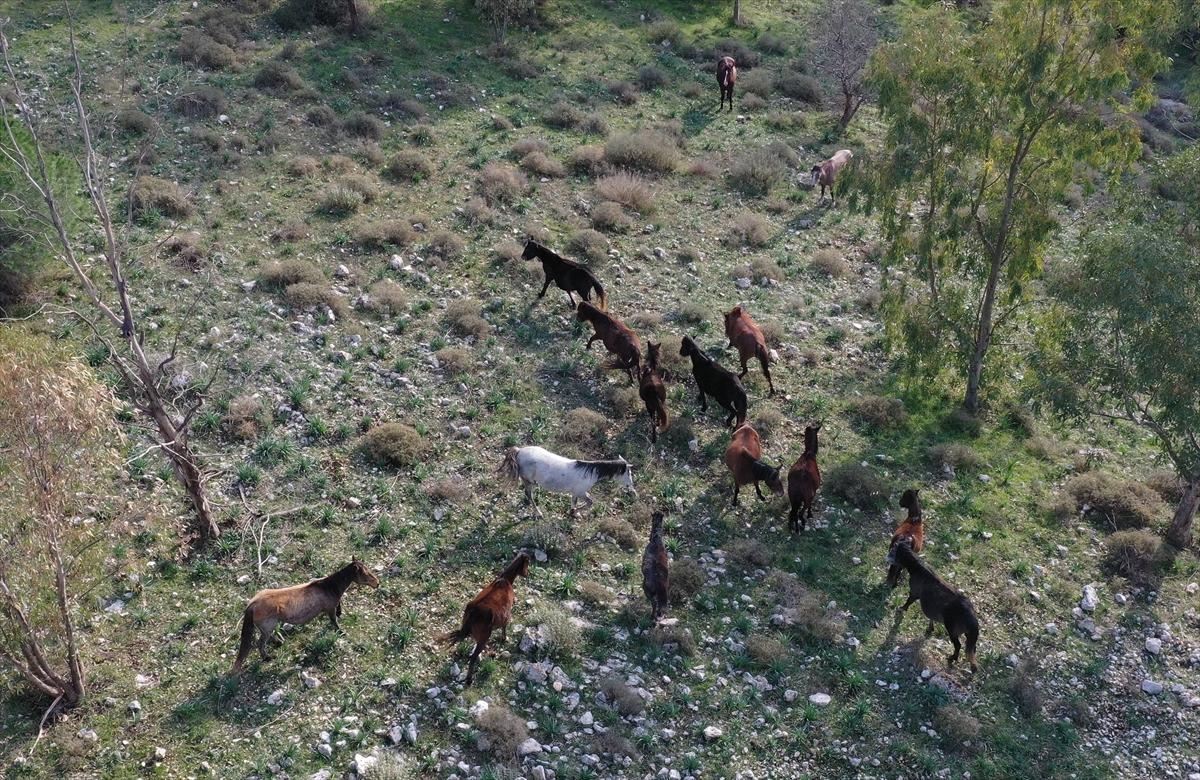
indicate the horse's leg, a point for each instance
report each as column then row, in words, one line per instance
column 767, row 372
column 793, row 521
column 588, row 497
column 545, row 287
column 744, row 369
column 736, row 488
column 572, row 299
column 473, row 662
column 703, row 402
column 761, row 497
column 262, row 644
column 593, row 338
column 334, row 614
column 957, row 645
column 909, row 603
column 932, row 627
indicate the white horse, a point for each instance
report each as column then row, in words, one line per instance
column 536, row 466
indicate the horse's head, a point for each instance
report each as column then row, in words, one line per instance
column 586, row 312
column 911, row 501
column 625, row 478
column 687, row 346
column 518, row 568
column 774, row 481
column 653, row 354
column 656, row 521
column 363, row 575
column 531, row 250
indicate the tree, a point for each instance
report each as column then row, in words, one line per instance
column 57, row 432
column 844, row 35
column 117, row 327
column 501, row 13
column 986, row 130
column 1126, row 332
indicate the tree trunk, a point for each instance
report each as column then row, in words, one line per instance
column 1180, row 532
column 183, row 463
column 737, row 13
column 352, row 6
column 983, row 338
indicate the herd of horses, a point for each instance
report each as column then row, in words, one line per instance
column 536, row 467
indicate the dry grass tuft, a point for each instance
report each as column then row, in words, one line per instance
column 877, row 412
column 674, row 638
column 409, row 165
column 642, row 150
column 395, row 445
column 242, row 420
column 957, row 456
column 504, row 729
column 611, row 218
column 750, row 553
column 501, row 184
column 766, row 650
column 857, row 485
column 958, row 727
column 539, row 164
column 455, row 360
column 830, row 262
column 587, row 160
column 583, row 425
column 1118, row 503
column 303, row 296
column 446, row 244
column 383, row 234
column 627, row 189
column 622, row 531
column 758, row 269
column 687, row 579
column 161, row 196
column 465, row 317
column 1135, row 555
column 447, row 490
column 278, row 276
column 303, row 167
column 803, row 608
column 750, row 228
column 623, row 698
column 590, row 244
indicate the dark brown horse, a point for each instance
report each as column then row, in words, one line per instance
column 298, row 605
column 803, row 481
column 726, row 78
column 744, row 459
column 748, row 340
column 617, row 338
column 570, row 276
column 940, row 603
column 911, row 534
column 655, row 569
column 653, row 392
column 716, row 380
column 489, row 610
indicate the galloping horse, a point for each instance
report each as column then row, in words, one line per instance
column 298, row 605
column 617, row 338
column 536, row 466
column 489, row 610
column 726, row 78
column 569, row 276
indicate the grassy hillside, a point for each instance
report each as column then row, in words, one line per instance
column 344, row 217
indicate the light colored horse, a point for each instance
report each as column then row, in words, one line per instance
column 540, row 467
column 825, row 173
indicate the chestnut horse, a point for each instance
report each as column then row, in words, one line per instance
column 911, row 533
column 745, row 336
column 726, row 78
column 803, row 481
column 616, row 336
column 653, row 392
column 743, row 457
column 489, row 610
column 298, row 605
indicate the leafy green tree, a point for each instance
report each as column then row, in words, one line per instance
column 1125, row 334
column 987, row 128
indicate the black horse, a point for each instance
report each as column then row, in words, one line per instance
column 569, row 276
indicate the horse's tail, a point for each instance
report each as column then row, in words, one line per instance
column 601, row 297
column 247, row 639
column 762, row 353
column 814, row 176
column 666, row 419
column 509, row 468
column 739, row 406
column 452, row 636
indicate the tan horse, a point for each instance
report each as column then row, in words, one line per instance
column 298, row 605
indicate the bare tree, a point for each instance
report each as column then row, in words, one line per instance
column 116, row 326
column 499, row 14
column 845, row 34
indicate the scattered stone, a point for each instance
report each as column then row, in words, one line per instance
column 587, row 719
column 789, row 695
column 410, row 733
column 276, row 698
column 395, row 735
column 160, row 754
column 1151, row 687
column 1090, row 600
column 1153, row 646
column 325, row 749
column 87, row 734
column 321, row 774
column 362, row 765
column 529, row 747
column 310, row 682
column 742, row 283
column 820, row 699
column 135, row 706
column 478, row 708
column 713, row 733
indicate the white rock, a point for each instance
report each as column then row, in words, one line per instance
column 742, row 284
column 432, row 693
column 538, row 773
column 1051, row 628
column 135, row 706
column 142, row 681
column 1120, row 598
column 1090, row 600
column 321, row 774
column 984, row 478
column 395, row 735
column 529, row 747
column 789, row 695
column 276, row 698
column 87, row 734
column 712, row 732
column 325, row 749
column 1153, row 646
column 820, row 699
column 477, row 709
column 1151, row 687
column 310, row 682
column 587, row 719
column 410, row 733
column 362, row 765
column 160, row 753
column 242, row 580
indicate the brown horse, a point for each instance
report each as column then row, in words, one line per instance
column 803, row 481
column 653, row 392
column 655, row 569
column 714, row 379
column 726, row 78
column 298, row 605
column 489, row 610
column 745, row 336
column 911, row 533
column 616, row 336
column 743, row 457
column 940, row 603
column 570, row 277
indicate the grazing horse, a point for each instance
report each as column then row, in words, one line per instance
column 655, row 569
column 490, row 610
column 653, row 392
column 298, row 605
column 726, row 78
column 617, row 338
column 712, row 379
column 803, row 481
column 745, row 336
column 824, row 173
column 940, row 603
column 536, row 466
column 743, row 457
column 910, row 534
column 568, row 275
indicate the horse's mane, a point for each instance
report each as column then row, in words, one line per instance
column 760, row 469
column 337, row 583
column 602, row 469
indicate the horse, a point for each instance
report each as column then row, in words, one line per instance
column 712, row 379
column 726, row 78
column 655, row 569
column 653, row 392
column 911, row 534
column 803, row 480
column 617, row 338
column 298, row 605
column 745, row 336
column 940, row 603
column 489, row 610
column 536, row 466
column 743, row 457
column 824, row 173
column 571, row 277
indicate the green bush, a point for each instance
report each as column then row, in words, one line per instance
column 642, row 150
column 199, row 49
column 395, row 445
column 339, row 201
column 798, row 86
column 650, row 78
column 857, row 485
column 302, row 14
column 133, row 122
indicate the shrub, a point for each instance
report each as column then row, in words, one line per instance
column 511, row 251
column 1044, row 448
column 627, row 189
column 687, row 578
column 650, row 320
column 409, row 165
column 134, row 122
column 621, row 696
column 545, row 537
column 766, row 650
column 958, row 456
column 454, row 360
column 650, row 78
column 681, row 638
column 340, row 201
column 449, row 490
column 1167, row 484
column 200, row 49
column 1122, row 503
column 383, row 234
column 302, row 14
column 624, row 92
column 878, row 412
column 360, row 124
column 161, row 196
column 798, row 86
column 587, row 160
column 1019, row 419
column 1024, row 688
column 278, row 276
column 447, row 244
column 278, row 76
column 963, row 422
column 804, row 609
column 303, row 167
column 1135, row 555
column 611, row 217
column 394, row 445
column 464, row 317
column 758, row 170
column 594, row 594
column 857, row 485
column 957, row 726
column 693, row 312
column 305, row 296
column 752, row 102
column 594, row 124
column 505, row 729
column 745, row 57
column 563, row 116
column 539, row 164
column 583, row 425
column 750, row 553
column 320, row 116
column 339, row 163
column 389, row 298
column 241, row 420
column 751, row 228
column 772, row 331
column 363, row 185
column 758, row 269
column 643, row 150
column 622, row 531
column 501, row 183
column 770, row 44
column 768, row 422
column 186, row 250
column 529, row 145
column 757, row 82
column 830, row 263
column 665, row 31
column 200, row 102
column 590, row 244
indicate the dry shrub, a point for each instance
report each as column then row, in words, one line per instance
column 624, row 92
column 772, row 332
column 869, row 300
column 877, row 412
column 186, row 250
column 1044, row 448
column 383, row 234
column 830, row 262
column 703, row 168
column 455, row 360
column 957, row 456
column 501, row 183
column 447, row 490
column 1135, row 555
column 409, row 165
column 857, row 485
column 766, row 650
column 305, row 296
column 811, row 357
column 510, row 252
column 752, row 102
column 478, row 212
column 751, row 228
column 587, row 160
column 162, row 196
column 642, row 150
column 650, row 320
column 750, row 553
column 799, row 86
column 582, row 425
column 526, row 146
column 786, row 121
column 680, row 431
column 369, row 152
column 743, row 55
column 464, row 316
column 768, row 422
column 758, row 269
column 611, row 218
column 545, row 537
column 502, row 123
column 504, row 729
column 758, row 82
column 674, row 638
column 1122, row 503
column 539, row 164
column 594, row 123
column 200, row 49
column 690, row 254
column 1025, row 690
column 446, row 244
column 623, row 698
column 687, row 579
column 339, row 163
column 770, row 44
column 363, row 185
column 595, row 595
column 339, row 200
column 241, row 421
column 693, row 312
column 395, row 445
column 278, row 76
column 957, row 726
column 625, row 400
column 563, row 116
column 303, row 166
column 389, row 298
column 359, row 124
column 1019, row 419
column 1167, row 484
column 755, row 172
column 650, row 78
column 134, row 122
column 590, row 244
column 610, row 743
column 665, row 31
column 320, row 116
column 804, row 609
column 627, row 189
column 563, row 636
column 622, row 531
